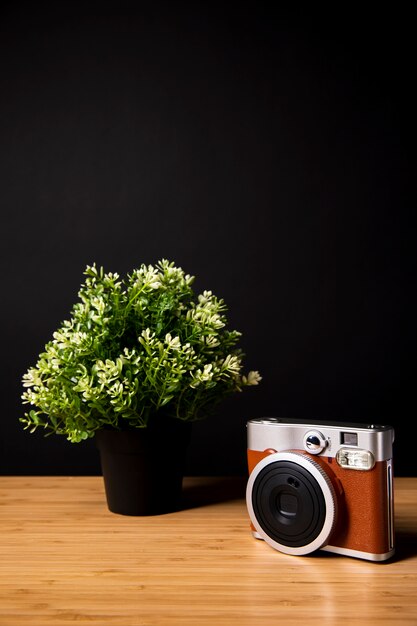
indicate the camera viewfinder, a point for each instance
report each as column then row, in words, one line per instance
column 349, row 439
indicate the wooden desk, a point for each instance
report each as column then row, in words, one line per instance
column 66, row 559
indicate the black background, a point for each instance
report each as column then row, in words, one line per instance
column 269, row 153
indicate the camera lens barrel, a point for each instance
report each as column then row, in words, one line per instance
column 291, row 502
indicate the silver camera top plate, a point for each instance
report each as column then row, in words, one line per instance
column 290, row 433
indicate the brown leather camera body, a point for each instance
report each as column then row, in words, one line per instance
column 364, row 505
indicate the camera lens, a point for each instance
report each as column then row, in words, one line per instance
column 291, row 502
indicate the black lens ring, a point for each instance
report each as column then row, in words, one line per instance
column 287, row 479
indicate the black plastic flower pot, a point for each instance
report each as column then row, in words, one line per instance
column 143, row 468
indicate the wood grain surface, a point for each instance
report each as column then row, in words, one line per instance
column 66, row 559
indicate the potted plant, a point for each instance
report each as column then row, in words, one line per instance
column 139, row 360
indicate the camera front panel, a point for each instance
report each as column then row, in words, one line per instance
column 363, row 498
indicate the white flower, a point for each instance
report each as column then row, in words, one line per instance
column 232, row 364
column 253, row 378
column 172, row 342
column 207, row 373
column 147, row 336
column 203, row 376
column 210, row 341
column 204, row 297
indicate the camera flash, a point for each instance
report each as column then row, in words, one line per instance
column 355, row 459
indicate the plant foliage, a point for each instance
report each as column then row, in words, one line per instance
column 131, row 348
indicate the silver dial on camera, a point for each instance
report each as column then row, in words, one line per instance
column 314, row 442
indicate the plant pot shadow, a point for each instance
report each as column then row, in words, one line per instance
column 204, row 491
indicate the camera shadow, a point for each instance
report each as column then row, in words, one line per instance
column 405, row 544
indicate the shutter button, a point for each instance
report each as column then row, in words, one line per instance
column 314, row 442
